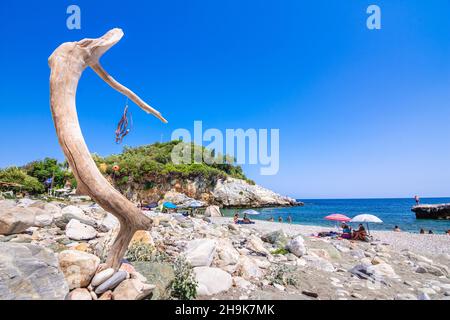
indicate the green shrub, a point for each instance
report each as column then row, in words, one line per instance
column 282, row 274
column 184, row 287
column 139, row 251
column 16, row 179
column 282, row 251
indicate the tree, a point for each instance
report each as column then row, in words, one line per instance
column 16, row 179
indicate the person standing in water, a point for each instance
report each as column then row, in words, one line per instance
column 280, row 219
column 289, row 219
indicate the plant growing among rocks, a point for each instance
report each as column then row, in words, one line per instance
column 282, row 274
column 184, row 287
column 140, row 251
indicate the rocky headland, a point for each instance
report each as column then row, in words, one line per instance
column 432, row 211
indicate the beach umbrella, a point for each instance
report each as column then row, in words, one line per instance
column 196, row 204
column 338, row 217
column 366, row 218
column 251, row 212
column 169, row 205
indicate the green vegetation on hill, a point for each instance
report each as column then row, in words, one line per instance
column 155, row 160
column 144, row 165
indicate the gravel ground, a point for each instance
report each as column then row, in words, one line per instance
column 426, row 244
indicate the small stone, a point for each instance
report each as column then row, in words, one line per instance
column 112, row 282
column 106, row 295
column 310, row 294
column 79, row 294
column 102, row 276
column 424, row 296
column 142, row 236
column 76, row 230
column 212, row 280
column 279, row 287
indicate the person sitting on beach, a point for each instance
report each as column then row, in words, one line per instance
column 246, row 219
column 397, row 229
column 289, row 219
column 280, row 219
column 430, row 232
column 236, row 218
column 271, row 219
column 360, row 234
column 346, row 231
column 422, row 231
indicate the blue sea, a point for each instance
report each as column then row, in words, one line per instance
column 393, row 212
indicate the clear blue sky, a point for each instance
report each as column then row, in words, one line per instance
column 361, row 113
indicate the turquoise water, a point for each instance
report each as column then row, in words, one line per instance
column 392, row 211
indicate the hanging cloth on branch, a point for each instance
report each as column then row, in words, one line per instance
column 124, row 126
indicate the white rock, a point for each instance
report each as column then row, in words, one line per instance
column 382, row 270
column 132, row 289
column 16, row 220
column 319, row 263
column 76, row 230
column 227, row 253
column 248, row 269
column 200, row 252
column 78, row 267
column 213, row 211
column 212, row 280
column 255, row 244
column 102, row 276
column 297, row 246
column 79, row 294
column 242, row 283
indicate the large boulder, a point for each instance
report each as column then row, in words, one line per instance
column 16, row 220
column 200, row 252
column 278, row 238
column 248, row 269
column 228, row 255
column 76, row 230
column 161, row 274
column 237, row 192
column 73, row 212
column 7, row 204
column 213, row 211
column 78, row 267
column 49, row 208
column 30, row 272
column 212, row 280
column 297, row 246
column 255, row 244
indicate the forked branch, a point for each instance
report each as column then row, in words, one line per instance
column 67, row 63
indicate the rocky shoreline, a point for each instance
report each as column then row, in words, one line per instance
column 432, row 211
column 65, row 245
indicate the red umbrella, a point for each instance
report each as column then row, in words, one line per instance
column 338, row 217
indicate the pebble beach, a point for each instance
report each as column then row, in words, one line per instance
column 426, row 244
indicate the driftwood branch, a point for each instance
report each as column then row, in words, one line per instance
column 67, row 63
